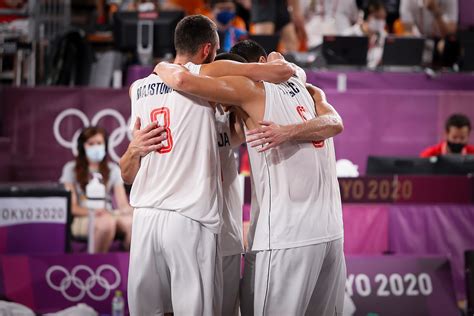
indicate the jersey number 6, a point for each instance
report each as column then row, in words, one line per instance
column 162, row 116
column 302, row 112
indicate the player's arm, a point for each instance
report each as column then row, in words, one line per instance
column 237, row 133
column 276, row 72
column 122, row 199
column 298, row 71
column 143, row 142
column 327, row 124
column 235, row 90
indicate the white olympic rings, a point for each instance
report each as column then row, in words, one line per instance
column 115, row 137
column 84, row 287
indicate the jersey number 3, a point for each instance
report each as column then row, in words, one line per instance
column 302, row 112
column 162, row 116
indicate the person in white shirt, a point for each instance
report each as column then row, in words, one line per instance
column 373, row 26
column 300, row 267
column 328, row 17
column 431, row 18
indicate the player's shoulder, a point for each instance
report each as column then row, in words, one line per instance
column 133, row 86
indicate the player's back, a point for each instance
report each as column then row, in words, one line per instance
column 296, row 182
column 184, row 175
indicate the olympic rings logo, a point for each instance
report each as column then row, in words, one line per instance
column 71, row 280
column 115, row 138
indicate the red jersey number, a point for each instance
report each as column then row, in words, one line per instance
column 302, row 112
column 162, row 116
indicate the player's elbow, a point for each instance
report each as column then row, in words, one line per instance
column 338, row 125
column 127, row 178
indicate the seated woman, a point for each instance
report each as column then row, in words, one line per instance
column 92, row 161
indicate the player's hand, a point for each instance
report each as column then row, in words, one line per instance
column 269, row 135
column 275, row 57
column 146, row 140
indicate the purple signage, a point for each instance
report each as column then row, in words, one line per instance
column 52, row 283
column 407, row 189
column 42, row 123
column 34, row 224
column 384, row 285
column 399, row 285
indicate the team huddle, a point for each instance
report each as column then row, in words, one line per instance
column 187, row 238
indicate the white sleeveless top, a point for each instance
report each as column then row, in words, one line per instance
column 184, row 176
column 295, row 183
column 231, row 234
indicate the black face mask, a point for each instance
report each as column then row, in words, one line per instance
column 456, row 148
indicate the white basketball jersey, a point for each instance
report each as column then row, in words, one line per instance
column 295, row 183
column 254, row 214
column 185, row 175
column 231, row 234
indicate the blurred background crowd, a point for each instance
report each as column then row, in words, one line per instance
column 58, row 41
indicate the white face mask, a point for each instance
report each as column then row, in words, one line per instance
column 376, row 25
column 95, row 153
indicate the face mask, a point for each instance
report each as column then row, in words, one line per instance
column 456, row 148
column 225, row 17
column 95, row 153
column 376, row 25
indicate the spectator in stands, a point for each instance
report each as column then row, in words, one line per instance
column 231, row 28
column 432, row 18
column 92, row 160
column 328, row 17
column 457, row 129
column 283, row 17
column 372, row 26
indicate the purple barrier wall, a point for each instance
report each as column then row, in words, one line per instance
column 431, row 229
column 363, row 80
column 376, row 123
column 365, row 228
column 466, row 13
column 37, row 152
column 52, row 283
column 386, row 285
column 394, row 123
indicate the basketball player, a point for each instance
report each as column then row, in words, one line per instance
column 300, row 267
column 174, row 258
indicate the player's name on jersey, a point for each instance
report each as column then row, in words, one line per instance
column 223, row 139
column 152, row 89
column 290, row 88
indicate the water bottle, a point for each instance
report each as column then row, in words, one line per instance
column 95, row 193
column 96, row 199
column 118, row 304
